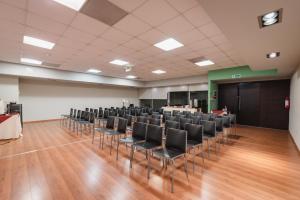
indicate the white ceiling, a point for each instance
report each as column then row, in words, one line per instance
column 240, row 24
column 83, row 42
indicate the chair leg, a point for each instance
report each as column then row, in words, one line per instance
column 100, row 140
column 202, row 154
column 172, row 178
column 208, row 147
column 111, row 140
column 149, row 165
column 118, row 142
column 194, row 159
column 186, row 167
column 215, row 140
column 93, row 136
column 131, row 155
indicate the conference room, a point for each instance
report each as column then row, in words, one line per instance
column 149, row 99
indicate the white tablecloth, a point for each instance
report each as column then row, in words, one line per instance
column 192, row 110
column 11, row 128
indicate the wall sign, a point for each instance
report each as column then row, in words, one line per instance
column 236, row 76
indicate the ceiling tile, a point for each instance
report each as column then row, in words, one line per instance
column 218, row 39
column 183, row 5
column 153, row 36
column 41, row 34
column 52, row 10
column 11, row 13
column 71, row 43
column 197, row 16
column 16, row 3
column 122, row 51
column 128, row 5
column 202, row 44
column 75, row 34
column 89, row 25
column 115, row 35
column 136, row 44
column 190, row 37
column 176, row 26
column 132, row 25
column 210, row 30
column 103, row 44
column 13, row 31
column 45, row 24
column 155, row 12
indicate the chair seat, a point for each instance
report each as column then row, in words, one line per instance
column 147, row 145
column 168, row 153
column 193, row 143
column 131, row 140
column 112, row 132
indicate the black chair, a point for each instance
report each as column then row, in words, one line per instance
column 170, row 118
column 183, row 121
column 175, row 112
column 165, row 115
column 144, row 114
column 233, row 122
column 209, row 133
column 219, row 130
column 142, row 119
column 177, row 117
column 129, row 120
column 197, row 113
column 206, row 117
column 196, row 119
column 87, row 120
column 138, row 135
column 226, row 126
column 64, row 118
column 72, row 119
column 176, row 147
column 156, row 116
column 171, row 124
column 154, row 121
column 152, row 141
column 110, row 125
column 195, row 139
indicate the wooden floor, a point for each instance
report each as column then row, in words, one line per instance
column 49, row 162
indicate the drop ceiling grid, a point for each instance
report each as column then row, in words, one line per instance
column 72, row 41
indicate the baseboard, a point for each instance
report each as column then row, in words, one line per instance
column 36, row 121
column 294, row 142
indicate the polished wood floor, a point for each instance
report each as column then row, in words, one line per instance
column 50, row 162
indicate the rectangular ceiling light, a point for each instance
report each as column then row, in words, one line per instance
column 94, row 71
column 31, row 61
column 158, row 71
column 203, row 63
column 73, row 4
column 119, row 62
column 38, row 42
column 168, row 44
column 131, row 77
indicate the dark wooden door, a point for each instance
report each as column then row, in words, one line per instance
column 249, row 104
column 228, row 96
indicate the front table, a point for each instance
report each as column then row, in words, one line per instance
column 192, row 110
column 10, row 126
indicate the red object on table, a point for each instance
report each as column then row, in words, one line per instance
column 4, row 117
column 218, row 112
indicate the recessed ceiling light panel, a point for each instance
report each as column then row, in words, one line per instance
column 31, row 61
column 131, row 77
column 73, row 4
column 94, row 71
column 119, row 62
column 158, row 71
column 270, row 18
column 168, row 44
column 273, row 55
column 203, row 63
column 38, row 42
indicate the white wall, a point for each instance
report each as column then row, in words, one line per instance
column 44, row 100
column 294, row 122
column 9, row 89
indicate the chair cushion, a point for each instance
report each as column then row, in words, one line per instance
column 131, row 140
column 147, row 145
column 168, row 153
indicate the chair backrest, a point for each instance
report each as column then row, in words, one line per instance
column 92, row 118
column 100, row 114
column 219, row 124
column 154, row 121
column 96, row 112
column 106, row 113
column 168, row 112
column 175, row 112
column 83, row 113
column 110, row 124
column 142, row 119
column 87, row 116
column 197, row 113
column 183, row 121
column 139, row 130
column 71, row 112
column 170, row 118
column 129, row 119
column 194, row 132
column 171, row 124
column 78, row 114
column 232, row 118
column 176, row 139
column 154, row 134
column 206, row 117
column 74, row 113
column 196, row 119
column 226, row 121
column 144, row 114
column 178, row 117
column 209, row 128
column 138, row 112
column 122, row 125
column 87, row 109
column 156, row 116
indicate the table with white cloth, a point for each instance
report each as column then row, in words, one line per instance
column 168, row 108
column 10, row 126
